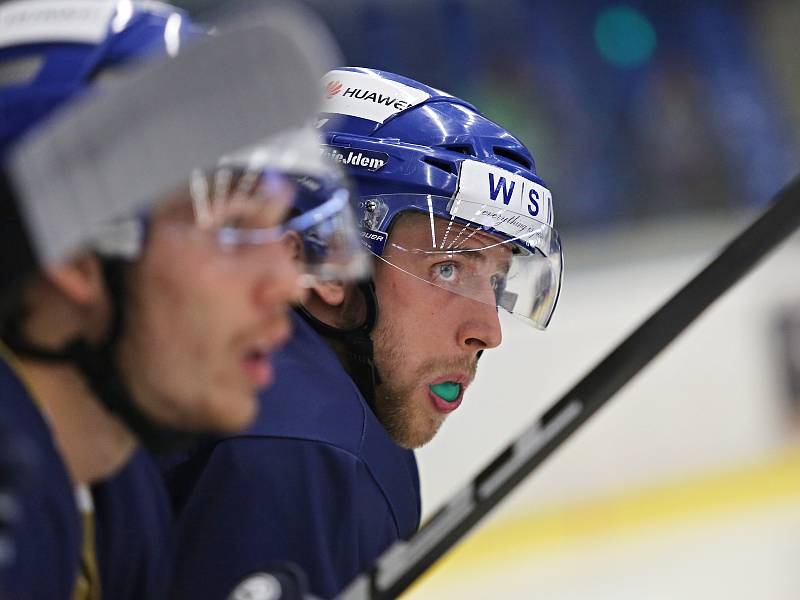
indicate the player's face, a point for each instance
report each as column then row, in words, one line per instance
column 203, row 319
column 428, row 339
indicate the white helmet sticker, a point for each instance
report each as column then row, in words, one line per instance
column 500, row 199
column 364, row 160
column 30, row 21
column 366, row 95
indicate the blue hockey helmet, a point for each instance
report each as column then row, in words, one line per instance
column 411, row 148
column 51, row 54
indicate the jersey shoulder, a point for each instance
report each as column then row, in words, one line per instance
column 46, row 535
column 313, row 398
column 134, row 531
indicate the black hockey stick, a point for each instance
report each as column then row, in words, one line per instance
column 404, row 562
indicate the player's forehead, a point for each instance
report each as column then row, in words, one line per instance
column 415, row 230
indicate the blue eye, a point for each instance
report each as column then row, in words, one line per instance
column 446, row 271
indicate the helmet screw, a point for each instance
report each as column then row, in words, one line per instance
column 371, row 206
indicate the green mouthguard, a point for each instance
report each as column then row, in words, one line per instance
column 447, row 390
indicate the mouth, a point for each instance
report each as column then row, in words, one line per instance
column 256, row 361
column 257, row 367
column 447, row 392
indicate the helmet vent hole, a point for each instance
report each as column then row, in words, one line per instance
column 515, row 157
column 444, row 165
column 461, row 149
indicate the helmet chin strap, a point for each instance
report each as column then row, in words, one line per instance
column 357, row 343
column 97, row 365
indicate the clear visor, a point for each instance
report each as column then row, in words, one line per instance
column 320, row 214
column 244, row 213
column 331, row 247
column 241, row 207
column 518, row 273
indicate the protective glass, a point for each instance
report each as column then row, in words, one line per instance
column 276, row 193
column 244, row 208
column 519, row 273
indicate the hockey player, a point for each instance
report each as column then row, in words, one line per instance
column 161, row 323
column 460, row 226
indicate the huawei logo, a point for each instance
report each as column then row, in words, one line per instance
column 333, row 88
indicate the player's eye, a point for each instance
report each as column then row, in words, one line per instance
column 446, row 272
column 498, row 283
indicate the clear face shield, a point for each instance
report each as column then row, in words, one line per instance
column 518, row 272
column 247, row 209
column 264, row 196
column 332, row 250
column 320, row 212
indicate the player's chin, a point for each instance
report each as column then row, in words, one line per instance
column 420, row 431
column 231, row 403
column 241, row 416
column 230, row 411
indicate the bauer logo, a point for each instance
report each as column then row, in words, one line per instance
column 372, row 236
column 374, row 240
column 357, row 159
column 367, row 96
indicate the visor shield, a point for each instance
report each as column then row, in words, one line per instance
column 238, row 212
column 332, row 249
column 520, row 274
column 262, row 207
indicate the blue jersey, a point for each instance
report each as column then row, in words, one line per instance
column 132, row 519
column 316, row 481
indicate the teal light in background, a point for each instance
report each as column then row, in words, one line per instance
column 624, row 36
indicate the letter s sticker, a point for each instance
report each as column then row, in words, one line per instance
column 533, row 207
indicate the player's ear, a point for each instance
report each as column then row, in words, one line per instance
column 327, row 302
column 331, row 293
column 80, row 279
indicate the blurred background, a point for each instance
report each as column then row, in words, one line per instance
column 662, row 128
column 634, row 110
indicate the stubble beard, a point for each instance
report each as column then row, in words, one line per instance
column 409, row 425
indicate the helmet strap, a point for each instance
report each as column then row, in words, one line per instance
column 357, row 343
column 97, row 364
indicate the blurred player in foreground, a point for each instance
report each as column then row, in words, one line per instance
column 159, row 323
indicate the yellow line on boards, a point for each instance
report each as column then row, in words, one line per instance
column 630, row 513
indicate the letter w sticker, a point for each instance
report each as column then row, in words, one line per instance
column 494, row 190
